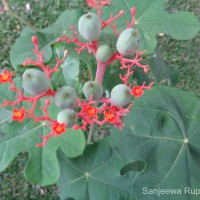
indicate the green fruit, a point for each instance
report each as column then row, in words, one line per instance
column 66, row 97
column 67, row 116
column 93, row 88
column 35, row 82
column 120, row 95
column 104, row 53
column 128, row 41
column 89, row 27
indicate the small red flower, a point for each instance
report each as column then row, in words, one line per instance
column 110, row 117
column 18, row 114
column 137, row 91
column 58, row 128
column 6, row 76
column 91, row 111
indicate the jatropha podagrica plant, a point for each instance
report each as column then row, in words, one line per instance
column 75, row 112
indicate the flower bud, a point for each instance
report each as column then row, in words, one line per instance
column 66, row 97
column 35, row 82
column 104, row 53
column 89, row 27
column 128, row 41
column 47, row 102
column 93, row 88
column 67, row 116
column 121, row 95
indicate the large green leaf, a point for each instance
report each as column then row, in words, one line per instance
column 96, row 175
column 42, row 166
column 163, row 130
column 151, row 19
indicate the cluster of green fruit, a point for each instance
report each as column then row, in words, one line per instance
column 89, row 27
column 35, row 82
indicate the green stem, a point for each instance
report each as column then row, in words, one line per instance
column 90, row 134
column 23, row 21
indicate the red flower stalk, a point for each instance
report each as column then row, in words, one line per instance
column 39, row 62
column 129, row 64
column 111, row 19
column 91, row 46
column 133, row 10
column 18, row 115
column 98, row 4
column 138, row 91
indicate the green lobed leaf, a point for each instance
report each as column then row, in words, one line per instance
column 163, row 130
column 70, row 70
column 161, row 69
column 96, row 175
column 42, row 166
column 151, row 19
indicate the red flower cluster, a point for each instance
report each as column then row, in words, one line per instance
column 89, row 111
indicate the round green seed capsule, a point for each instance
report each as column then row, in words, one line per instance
column 120, row 95
column 66, row 97
column 67, row 116
column 93, row 88
column 104, row 53
column 89, row 27
column 35, row 82
column 128, row 41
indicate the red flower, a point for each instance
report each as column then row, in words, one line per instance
column 5, row 76
column 58, row 128
column 137, row 91
column 110, row 117
column 90, row 111
column 18, row 114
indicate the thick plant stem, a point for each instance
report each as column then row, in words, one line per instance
column 101, row 67
column 90, row 134
column 23, row 21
